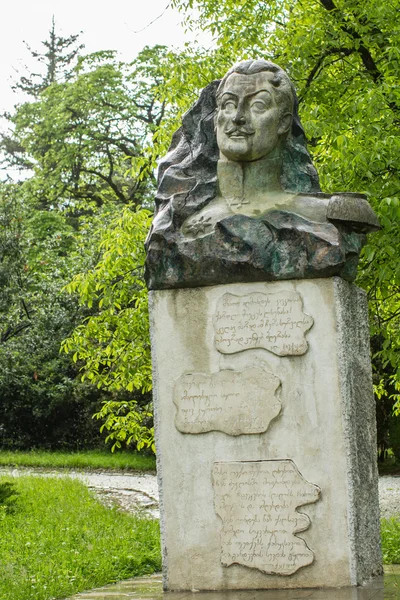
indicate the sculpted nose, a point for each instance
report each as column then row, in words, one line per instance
column 240, row 117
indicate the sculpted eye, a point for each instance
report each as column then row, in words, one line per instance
column 229, row 105
column 259, row 105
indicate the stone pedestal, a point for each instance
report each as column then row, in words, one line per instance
column 265, row 432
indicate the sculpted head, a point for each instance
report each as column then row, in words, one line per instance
column 255, row 105
column 256, row 100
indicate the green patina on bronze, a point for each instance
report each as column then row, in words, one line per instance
column 239, row 199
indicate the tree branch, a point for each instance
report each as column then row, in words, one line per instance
column 367, row 59
column 318, row 65
column 108, row 180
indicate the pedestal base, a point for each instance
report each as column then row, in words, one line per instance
column 265, row 433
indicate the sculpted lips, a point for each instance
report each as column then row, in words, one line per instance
column 239, row 132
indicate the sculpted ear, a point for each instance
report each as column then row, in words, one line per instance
column 285, row 123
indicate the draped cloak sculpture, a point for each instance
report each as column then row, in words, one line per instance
column 239, row 198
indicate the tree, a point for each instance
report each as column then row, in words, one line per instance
column 41, row 403
column 344, row 58
column 89, row 144
column 58, row 59
column 113, row 345
column 81, row 136
column 57, row 63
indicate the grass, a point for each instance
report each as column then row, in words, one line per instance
column 56, row 539
column 390, row 536
column 90, row 459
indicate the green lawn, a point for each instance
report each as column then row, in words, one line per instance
column 91, row 459
column 56, row 539
column 390, row 535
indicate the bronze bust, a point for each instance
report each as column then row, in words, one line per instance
column 238, row 196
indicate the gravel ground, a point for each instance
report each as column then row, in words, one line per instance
column 140, row 491
column 389, row 496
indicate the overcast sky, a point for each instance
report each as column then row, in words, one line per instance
column 123, row 25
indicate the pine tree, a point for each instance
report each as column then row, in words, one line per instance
column 58, row 59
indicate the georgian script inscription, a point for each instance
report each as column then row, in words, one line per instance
column 275, row 322
column 234, row 402
column 257, row 504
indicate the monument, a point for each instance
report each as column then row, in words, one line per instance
column 264, row 413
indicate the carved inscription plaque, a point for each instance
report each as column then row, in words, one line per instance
column 275, row 322
column 234, row 402
column 257, row 504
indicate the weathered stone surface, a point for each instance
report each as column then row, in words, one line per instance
column 275, row 322
column 326, row 427
column 359, row 428
column 257, row 504
column 354, row 210
column 238, row 197
column 235, row 402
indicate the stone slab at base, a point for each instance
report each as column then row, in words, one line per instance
column 282, row 498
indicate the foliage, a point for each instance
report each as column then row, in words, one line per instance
column 11, row 254
column 87, row 139
column 81, row 135
column 386, row 393
column 55, row 64
column 88, row 459
column 344, row 58
column 127, row 422
column 60, row 540
column 41, row 403
column 113, row 343
column 390, row 535
column 394, row 437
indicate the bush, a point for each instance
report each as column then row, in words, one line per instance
column 394, row 436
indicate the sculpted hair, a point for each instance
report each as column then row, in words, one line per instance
column 187, row 178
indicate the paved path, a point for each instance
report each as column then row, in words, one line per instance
column 381, row 588
column 389, row 497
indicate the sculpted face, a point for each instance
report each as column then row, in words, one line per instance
column 249, row 123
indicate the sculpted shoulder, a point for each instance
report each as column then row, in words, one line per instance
column 350, row 210
column 354, row 210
